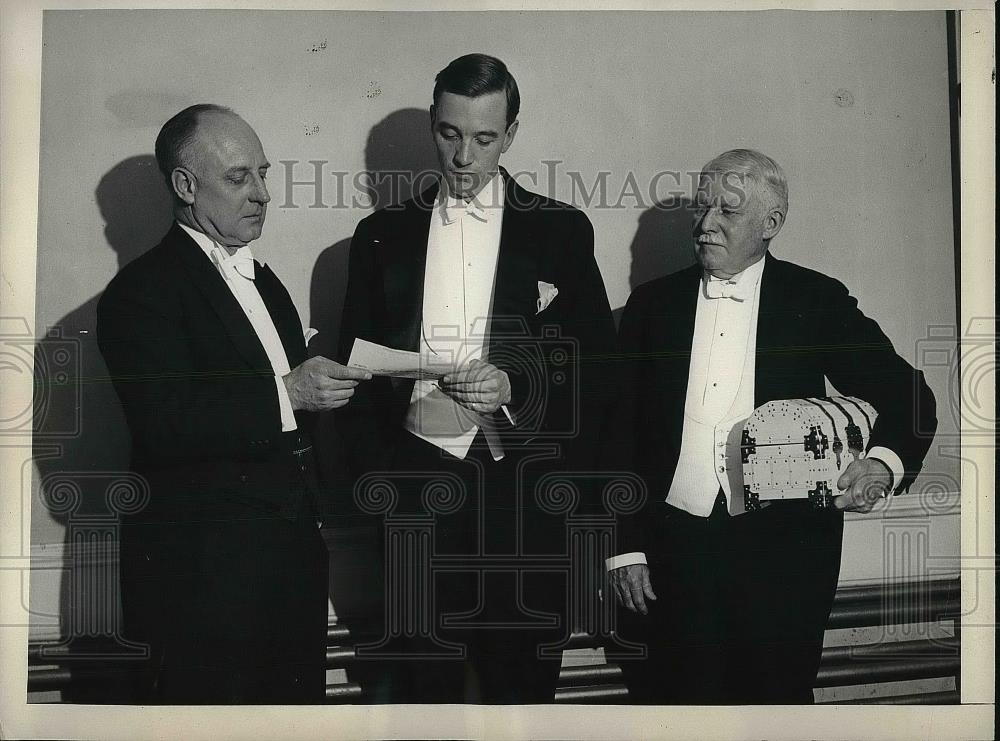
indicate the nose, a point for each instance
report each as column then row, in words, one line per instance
column 260, row 194
column 706, row 219
column 463, row 154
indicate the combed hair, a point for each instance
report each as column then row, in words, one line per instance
column 757, row 166
column 473, row 75
column 176, row 136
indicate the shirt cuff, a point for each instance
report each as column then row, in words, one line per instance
column 285, row 406
column 891, row 460
column 625, row 559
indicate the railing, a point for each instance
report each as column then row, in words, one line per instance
column 897, row 606
column 914, row 603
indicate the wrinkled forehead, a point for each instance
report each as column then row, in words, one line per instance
column 728, row 187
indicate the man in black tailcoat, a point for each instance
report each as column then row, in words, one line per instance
column 224, row 571
column 733, row 609
column 499, row 287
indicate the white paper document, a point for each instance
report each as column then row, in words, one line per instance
column 380, row 360
column 432, row 415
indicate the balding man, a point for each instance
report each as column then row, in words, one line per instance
column 224, row 572
column 733, row 608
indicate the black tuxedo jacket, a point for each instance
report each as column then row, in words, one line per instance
column 196, row 385
column 556, row 360
column 809, row 329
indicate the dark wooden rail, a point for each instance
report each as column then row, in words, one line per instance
column 841, row 666
column 854, row 607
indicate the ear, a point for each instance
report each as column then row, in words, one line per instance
column 185, row 184
column 773, row 221
column 508, row 138
column 433, row 113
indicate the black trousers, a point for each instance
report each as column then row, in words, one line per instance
column 489, row 606
column 742, row 606
column 233, row 604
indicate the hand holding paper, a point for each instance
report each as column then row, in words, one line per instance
column 380, row 360
column 480, row 386
column 319, row 384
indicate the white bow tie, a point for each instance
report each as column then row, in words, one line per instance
column 727, row 288
column 241, row 263
column 455, row 210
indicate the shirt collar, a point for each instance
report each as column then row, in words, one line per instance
column 739, row 287
column 240, row 263
column 486, row 204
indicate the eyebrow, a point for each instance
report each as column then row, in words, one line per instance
column 485, row 132
column 246, row 168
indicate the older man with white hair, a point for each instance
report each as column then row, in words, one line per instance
column 731, row 608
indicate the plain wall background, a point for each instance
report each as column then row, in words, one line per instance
column 853, row 105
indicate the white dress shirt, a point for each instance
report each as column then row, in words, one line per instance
column 720, row 397
column 463, row 243
column 237, row 271
column 720, row 386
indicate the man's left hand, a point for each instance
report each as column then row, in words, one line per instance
column 481, row 387
column 865, row 482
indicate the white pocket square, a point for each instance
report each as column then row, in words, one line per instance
column 546, row 293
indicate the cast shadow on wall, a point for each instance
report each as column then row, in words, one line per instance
column 80, row 441
column 662, row 243
column 400, row 161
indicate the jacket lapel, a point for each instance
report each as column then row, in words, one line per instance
column 282, row 312
column 674, row 337
column 206, row 277
column 405, row 256
column 779, row 342
column 515, row 287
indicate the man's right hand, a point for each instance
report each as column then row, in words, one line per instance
column 319, row 384
column 632, row 586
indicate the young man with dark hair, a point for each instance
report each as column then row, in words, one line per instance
column 498, row 287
